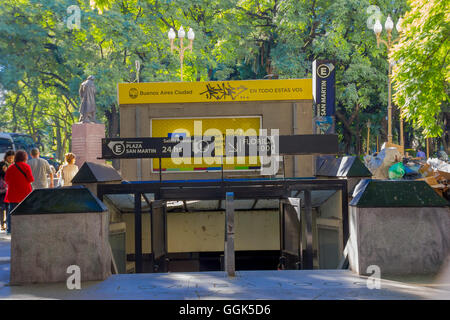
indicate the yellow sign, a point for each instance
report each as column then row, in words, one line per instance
column 188, row 127
column 214, row 91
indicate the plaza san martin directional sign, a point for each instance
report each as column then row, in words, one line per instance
column 135, row 148
column 184, row 147
column 232, row 146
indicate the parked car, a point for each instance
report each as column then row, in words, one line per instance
column 15, row 141
column 6, row 143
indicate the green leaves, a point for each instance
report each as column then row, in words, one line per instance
column 422, row 72
column 235, row 39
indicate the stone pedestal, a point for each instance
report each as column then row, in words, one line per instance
column 87, row 142
column 400, row 226
column 58, row 228
column 400, row 241
column 45, row 245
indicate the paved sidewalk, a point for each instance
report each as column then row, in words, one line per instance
column 288, row 284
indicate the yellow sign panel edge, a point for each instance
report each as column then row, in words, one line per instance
column 214, row 91
column 206, row 117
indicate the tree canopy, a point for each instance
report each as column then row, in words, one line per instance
column 422, row 70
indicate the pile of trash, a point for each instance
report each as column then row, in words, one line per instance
column 380, row 163
column 390, row 164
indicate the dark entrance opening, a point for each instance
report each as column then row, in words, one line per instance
column 295, row 211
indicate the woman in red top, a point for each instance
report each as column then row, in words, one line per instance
column 18, row 177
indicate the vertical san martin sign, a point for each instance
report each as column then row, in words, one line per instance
column 324, row 94
column 324, row 88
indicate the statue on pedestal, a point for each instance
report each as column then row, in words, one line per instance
column 87, row 95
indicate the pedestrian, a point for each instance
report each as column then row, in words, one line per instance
column 18, row 178
column 54, row 173
column 7, row 161
column 421, row 154
column 68, row 170
column 40, row 169
column 2, row 203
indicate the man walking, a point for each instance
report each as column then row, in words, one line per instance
column 40, row 169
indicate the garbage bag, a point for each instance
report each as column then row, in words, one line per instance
column 408, row 170
column 442, row 156
column 437, row 164
column 380, row 164
column 396, row 171
column 412, row 176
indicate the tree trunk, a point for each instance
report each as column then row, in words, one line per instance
column 347, row 141
column 32, row 122
column 14, row 113
column 59, row 149
column 348, row 130
column 358, row 142
column 445, row 136
column 358, row 131
column 113, row 119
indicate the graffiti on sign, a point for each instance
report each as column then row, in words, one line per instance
column 222, row 91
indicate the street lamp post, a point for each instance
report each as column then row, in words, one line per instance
column 182, row 48
column 377, row 28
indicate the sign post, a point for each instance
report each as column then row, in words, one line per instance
column 324, row 95
column 230, row 267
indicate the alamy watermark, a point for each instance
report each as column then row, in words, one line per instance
column 374, row 280
column 74, row 20
column 374, row 15
column 238, row 146
column 74, row 280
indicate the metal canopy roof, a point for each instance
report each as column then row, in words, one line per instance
column 216, row 190
column 343, row 167
column 92, row 172
column 74, row 199
column 384, row 193
column 125, row 202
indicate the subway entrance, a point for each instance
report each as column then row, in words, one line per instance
column 302, row 214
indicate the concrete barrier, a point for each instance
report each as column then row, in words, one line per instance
column 400, row 226
column 57, row 228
